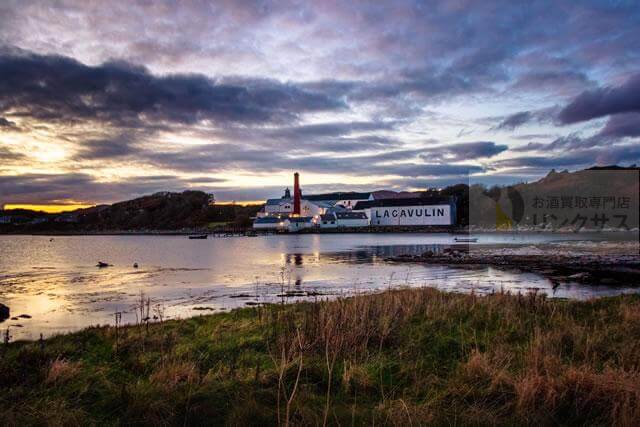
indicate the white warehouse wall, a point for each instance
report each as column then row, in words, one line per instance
column 411, row 215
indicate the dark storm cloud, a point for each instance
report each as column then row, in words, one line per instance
column 603, row 102
column 412, row 85
column 619, row 154
column 327, row 137
column 108, row 148
column 531, row 146
column 621, row 126
column 223, row 157
column 423, row 83
column 515, row 120
column 615, row 131
column 563, row 81
column 488, row 180
column 464, row 151
column 338, row 137
column 58, row 88
column 328, row 129
column 424, row 170
column 7, row 124
column 528, row 136
column 472, row 150
column 47, row 188
column 545, row 162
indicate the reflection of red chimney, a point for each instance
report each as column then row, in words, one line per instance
column 296, row 194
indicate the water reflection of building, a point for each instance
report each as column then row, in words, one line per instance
column 296, row 259
column 373, row 254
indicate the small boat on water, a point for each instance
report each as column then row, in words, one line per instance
column 197, row 236
column 466, row 239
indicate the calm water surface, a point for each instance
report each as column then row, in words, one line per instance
column 57, row 283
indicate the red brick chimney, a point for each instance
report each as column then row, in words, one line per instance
column 296, row 194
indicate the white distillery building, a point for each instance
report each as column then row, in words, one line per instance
column 285, row 206
column 342, row 219
column 352, row 219
column 421, row 211
column 327, row 221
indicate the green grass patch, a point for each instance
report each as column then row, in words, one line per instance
column 414, row 356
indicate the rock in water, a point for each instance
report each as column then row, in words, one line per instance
column 427, row 254
column 4, row 312
column 579, row 276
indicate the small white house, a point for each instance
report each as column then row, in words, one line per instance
column 298, row 223
column 327, row 221
column 351, row 219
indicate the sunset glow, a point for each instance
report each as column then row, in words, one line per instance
column 47, row 208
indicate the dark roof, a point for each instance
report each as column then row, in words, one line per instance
column 350, row 195
column 267, row 220
column 351, row 215
column 272, row 202
column 321, row 203
column 416, row 201
column 389, row 194
column 301, row 219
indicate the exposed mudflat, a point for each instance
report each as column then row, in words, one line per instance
column 601, row 263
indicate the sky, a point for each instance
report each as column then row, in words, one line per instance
column 105, row 101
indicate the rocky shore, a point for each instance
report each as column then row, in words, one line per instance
column 597, row 263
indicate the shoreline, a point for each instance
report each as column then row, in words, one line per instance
column 615, row 264
column 359, row 230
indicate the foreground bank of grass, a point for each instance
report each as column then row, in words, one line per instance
column 401, row 357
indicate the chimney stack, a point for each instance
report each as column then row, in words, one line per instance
column 296, row 194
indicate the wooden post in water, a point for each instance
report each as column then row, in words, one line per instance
column 118, row 318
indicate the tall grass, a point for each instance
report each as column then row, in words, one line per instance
column 404, row 357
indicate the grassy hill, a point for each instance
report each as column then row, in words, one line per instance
column 561, row 198
column 160, row 211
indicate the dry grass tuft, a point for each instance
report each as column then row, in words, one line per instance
column 62, row 370
column 173, row 374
